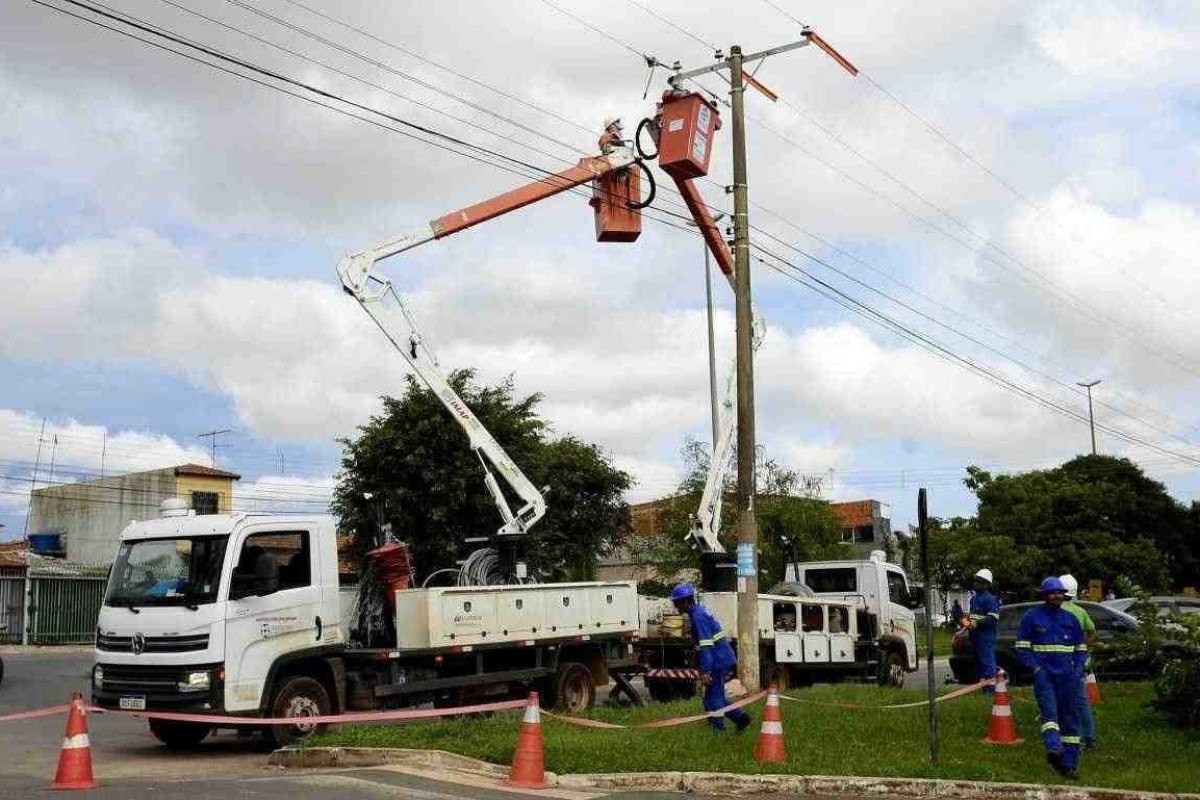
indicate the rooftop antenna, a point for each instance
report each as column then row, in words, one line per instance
column 212, row 436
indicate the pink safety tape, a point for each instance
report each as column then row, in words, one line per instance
column 940, row 698
column 329, row 719
column 660, row 723
column 41, row 712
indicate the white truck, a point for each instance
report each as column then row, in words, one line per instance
column 242, row 615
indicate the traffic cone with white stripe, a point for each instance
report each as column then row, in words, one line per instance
column 1002, row 729
column 1093, row 689
column 770, row 748
column 75, row 760
column 529, row 760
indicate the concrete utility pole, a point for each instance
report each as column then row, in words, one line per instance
column 1091, row 415
column 747, row 522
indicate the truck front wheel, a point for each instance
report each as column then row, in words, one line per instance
column 891, row 670
column 179, row 735
column 297, row 697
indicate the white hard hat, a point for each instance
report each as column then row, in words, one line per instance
column 610, row 121
column 984, row 574
column 1072, row 585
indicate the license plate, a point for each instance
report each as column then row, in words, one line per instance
column 133, row 703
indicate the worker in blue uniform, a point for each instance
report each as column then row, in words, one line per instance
column 981, row 621
column 715, row 656
column 1051, row 644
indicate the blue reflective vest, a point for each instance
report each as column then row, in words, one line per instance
column 715, row 653
column 1052, row 639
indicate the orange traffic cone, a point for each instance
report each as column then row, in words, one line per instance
column 1093, row 689
column 529, row 761
column 770, row 748
column 75, row 760
column 1002, row 729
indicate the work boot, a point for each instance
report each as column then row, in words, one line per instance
column 743, row 722
column 1055, row 758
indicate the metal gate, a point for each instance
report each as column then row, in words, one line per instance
column 12, row 608
column 63, row 610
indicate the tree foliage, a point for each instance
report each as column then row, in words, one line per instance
column 787, row 522
column 423, row 479
column 1094, row 516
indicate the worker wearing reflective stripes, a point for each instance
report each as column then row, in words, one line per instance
column 981, row 621
column 1050, row 643
column 715, row 656
column 1087, row 717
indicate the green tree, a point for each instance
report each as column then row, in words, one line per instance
column 787, row 522
column 1094, row 516
column 411, row 467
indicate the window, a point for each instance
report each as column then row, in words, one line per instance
column 897, row 588
column 166, row 572
column 812, row 618
column 864, row 533
column 839, row 619
column 1010, row 618
column 278, row 557
column 205, row 502
column 1189, row 607
column 836, row 579
column 1108, row 621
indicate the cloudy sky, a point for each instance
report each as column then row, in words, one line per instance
column 1001, row 204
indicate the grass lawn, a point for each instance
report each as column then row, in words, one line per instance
column 942, row 641
column 1138, row 750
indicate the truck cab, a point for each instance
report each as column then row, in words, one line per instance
column 884, row 604
column 221, row 614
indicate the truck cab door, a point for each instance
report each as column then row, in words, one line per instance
column 273, row 608
column 901, row 622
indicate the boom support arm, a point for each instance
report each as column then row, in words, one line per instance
column 356, row 270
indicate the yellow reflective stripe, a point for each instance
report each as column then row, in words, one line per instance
column 1023, row 643
column 975, row 616
column 706, row 642
column 1049, row 726
column 1081, row 648
column 1072, row 740
column 995, row 614
column 718, row 636
column 1053, row 648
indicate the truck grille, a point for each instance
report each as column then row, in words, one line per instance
column 154, row 644
column 155, row 679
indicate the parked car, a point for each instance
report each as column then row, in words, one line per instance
column 1167, row 605
column 1110, row 623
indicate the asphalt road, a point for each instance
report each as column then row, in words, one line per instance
column 129, row 763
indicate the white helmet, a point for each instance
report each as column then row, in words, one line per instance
column 610, row 121
column 984, row 574
column 1072, row 585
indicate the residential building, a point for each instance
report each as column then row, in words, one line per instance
column 90, row 515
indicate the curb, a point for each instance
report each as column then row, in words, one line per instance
column 713, row 782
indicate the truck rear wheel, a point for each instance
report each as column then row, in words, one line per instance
column 179, row 735
column 574, row 689
column 298, row 697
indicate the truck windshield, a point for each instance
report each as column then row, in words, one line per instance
column 165, row 572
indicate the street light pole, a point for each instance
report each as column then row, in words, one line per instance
column 1091, row 415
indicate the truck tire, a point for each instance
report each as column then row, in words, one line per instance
column 297, row 696
column 1, row 670
column 891, row 670
column 574, row 689
column 179, row 735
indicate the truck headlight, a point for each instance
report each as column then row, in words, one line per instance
column 98, row 677
column 198, row 681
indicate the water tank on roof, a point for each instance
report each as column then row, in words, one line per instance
column 174, row 507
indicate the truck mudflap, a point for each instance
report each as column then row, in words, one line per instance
column 672, row 674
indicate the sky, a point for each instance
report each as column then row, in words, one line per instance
column 1002, row 203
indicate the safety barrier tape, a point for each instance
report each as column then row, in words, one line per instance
column 660, row 723
column 328, row 719
column 940, row 698
column 41, row 712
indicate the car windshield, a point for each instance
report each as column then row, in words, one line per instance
column 166, row 572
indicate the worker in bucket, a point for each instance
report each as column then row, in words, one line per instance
column 612, row 136
column 1050, row 643
column 981, row 621
column 716, row 659
column 1087, row 718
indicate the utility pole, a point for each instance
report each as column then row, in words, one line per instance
column 37, row 462
column 212, row 435
column 747, row 522
column 1091, row 415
